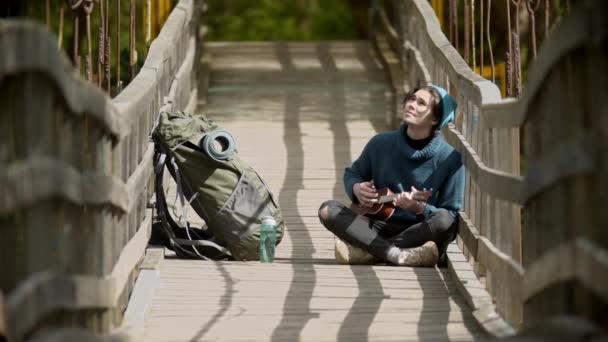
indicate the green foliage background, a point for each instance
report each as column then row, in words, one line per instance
column 256, row 20
column 36, row 11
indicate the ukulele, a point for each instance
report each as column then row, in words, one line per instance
column 383, row 207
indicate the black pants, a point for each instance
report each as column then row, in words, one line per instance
column 377, row 237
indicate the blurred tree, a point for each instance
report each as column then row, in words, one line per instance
column 251, row 20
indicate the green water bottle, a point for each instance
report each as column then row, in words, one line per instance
column 268, row 239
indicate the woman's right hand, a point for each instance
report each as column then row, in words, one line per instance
column 365, row 193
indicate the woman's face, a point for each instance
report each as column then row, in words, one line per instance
column 417, row 110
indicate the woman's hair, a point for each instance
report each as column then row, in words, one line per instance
column 436, row 103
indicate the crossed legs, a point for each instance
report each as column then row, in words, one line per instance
column 379, row 237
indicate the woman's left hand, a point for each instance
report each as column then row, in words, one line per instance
column 414, row 200
column 421, row 195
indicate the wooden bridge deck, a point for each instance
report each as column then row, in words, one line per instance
column 300, row 113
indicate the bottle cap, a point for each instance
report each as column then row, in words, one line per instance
column 268, row 220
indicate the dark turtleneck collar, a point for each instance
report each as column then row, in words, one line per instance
column 418, row 144
column 418, row 149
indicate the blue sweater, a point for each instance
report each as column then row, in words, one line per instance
column 389, row 160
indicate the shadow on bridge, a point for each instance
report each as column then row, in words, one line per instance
column 225, row 300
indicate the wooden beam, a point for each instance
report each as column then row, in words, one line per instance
column 41, row 54
column 35, row 179
column 500, row 114
column 46, row 292
column 579, row 259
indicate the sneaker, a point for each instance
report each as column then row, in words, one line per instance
column 347, row 254
column 426, row 255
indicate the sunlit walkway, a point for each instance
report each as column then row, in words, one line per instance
column 300, row 113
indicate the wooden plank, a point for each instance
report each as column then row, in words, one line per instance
column 153, row 258
column 515, row 210
column 469, row 198
column 130, row 256
column 144, row 171
column 482, row 143
column 468, row 233
column 140, row 300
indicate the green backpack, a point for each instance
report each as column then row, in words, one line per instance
column 227, row 194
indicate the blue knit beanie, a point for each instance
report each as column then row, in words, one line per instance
column 449, row 107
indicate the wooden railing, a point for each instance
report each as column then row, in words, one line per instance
column 564, row 241
column 78, row 176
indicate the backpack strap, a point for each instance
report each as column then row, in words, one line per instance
column 209, row 250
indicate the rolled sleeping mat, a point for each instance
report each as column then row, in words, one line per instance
column 219, row 145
